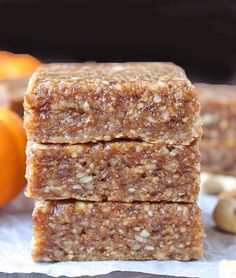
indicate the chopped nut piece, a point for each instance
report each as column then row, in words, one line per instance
column 144, row 233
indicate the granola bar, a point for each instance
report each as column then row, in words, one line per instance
column 218, row 111
column 89, row 102
column 116, row 171
column 12, row 93
column 219, row 157
column 80, row 231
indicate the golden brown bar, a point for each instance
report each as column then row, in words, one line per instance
column 116, row 171
column 12, row 93
column 81, row 231
column 89, row 102
column 218, row 111
column 219, row 157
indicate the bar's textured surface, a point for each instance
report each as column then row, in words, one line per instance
column 67, row 230
column 218, row 111
column 115, row 171
column 219, row 157
column 78, row 103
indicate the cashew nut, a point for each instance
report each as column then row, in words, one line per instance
column 224, row 215
column 215, row 184
column 227, row 194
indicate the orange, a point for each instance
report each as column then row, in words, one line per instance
column 16, row 65
column 12, row 155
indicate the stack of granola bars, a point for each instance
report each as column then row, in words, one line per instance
column 113, row 159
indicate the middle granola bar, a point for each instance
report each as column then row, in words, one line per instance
column 115, row 171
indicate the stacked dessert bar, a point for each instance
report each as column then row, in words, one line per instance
column 113, row 159
column 218, row 113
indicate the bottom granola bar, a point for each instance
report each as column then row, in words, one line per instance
column 74, row 230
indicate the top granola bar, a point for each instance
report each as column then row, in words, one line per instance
column 89, row 102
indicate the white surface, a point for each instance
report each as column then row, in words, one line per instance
column 227, row 269
column 16, row 234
